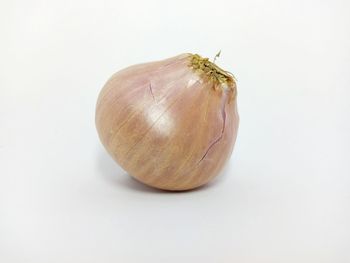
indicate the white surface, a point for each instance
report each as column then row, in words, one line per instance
column 285, row 195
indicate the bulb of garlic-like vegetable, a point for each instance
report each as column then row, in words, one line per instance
column 170, row 124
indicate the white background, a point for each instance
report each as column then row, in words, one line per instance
column 284, row 196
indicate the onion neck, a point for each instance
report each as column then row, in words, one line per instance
column 214, row 72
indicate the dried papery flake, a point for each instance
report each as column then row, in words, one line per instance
column 170, row 124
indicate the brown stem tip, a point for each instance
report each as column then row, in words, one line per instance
column 213, row 71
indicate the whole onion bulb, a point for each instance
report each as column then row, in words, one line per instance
column 170, row 124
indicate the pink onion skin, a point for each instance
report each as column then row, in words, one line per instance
column 166, row 124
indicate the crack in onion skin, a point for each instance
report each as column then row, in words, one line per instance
column 169, row 124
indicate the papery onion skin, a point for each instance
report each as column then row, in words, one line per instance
column 169, row 124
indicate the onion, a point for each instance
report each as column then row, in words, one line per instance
column 170, row 124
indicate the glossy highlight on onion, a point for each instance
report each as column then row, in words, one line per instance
column 170, row 124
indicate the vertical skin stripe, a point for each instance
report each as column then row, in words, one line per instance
column 167, row 125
